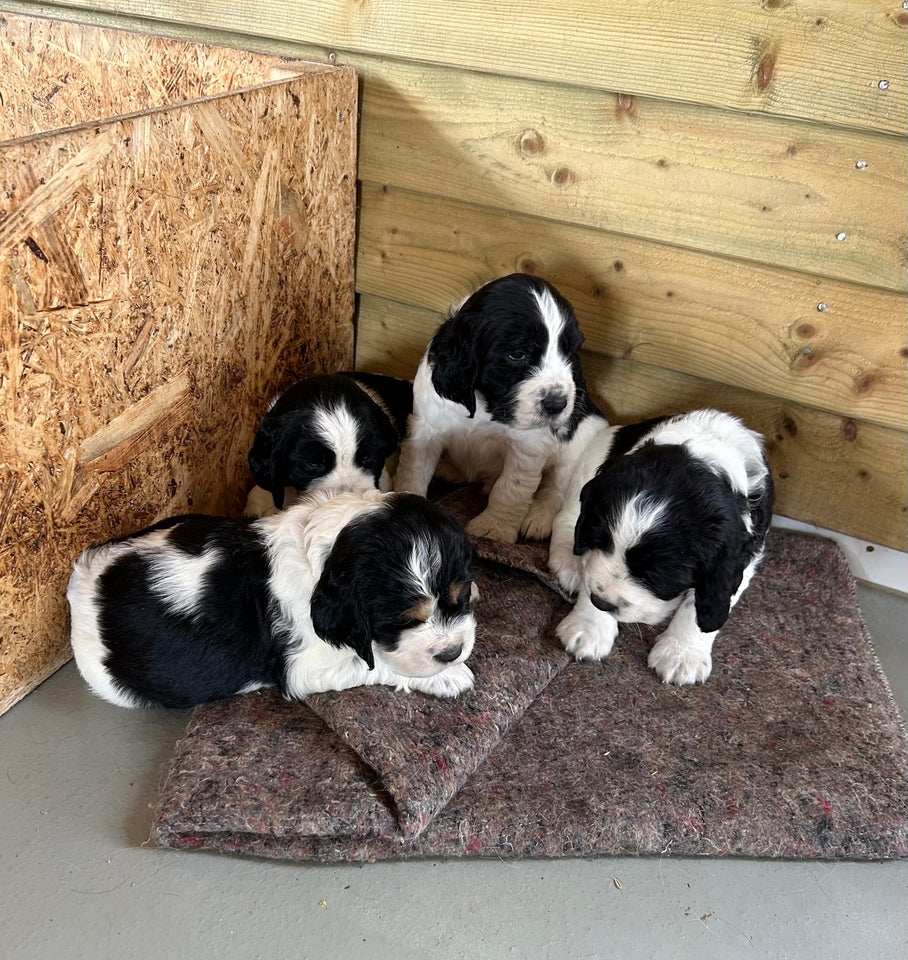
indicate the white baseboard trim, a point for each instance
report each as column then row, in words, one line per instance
column 881, row 566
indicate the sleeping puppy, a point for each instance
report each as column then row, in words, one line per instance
column 335, row 592
column 331, row 430
column 663, row 517
column 500, row 390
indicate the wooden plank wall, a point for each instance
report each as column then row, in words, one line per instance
column 719, row 187
column 162, row 276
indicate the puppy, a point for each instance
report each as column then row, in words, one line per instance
column 331, row 430
column 500, row 390
column 335, row 592
column 665, row 517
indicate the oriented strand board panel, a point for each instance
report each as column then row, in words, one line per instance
column 55, row 74
column 817, row 59
column 162, row 276
column 830, row 470
column 710, row 317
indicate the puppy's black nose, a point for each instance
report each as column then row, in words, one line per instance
column 603, row 605
column 450, row 655
column 554, row 403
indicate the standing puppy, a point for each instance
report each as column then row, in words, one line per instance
column 663, row 517
column 335, row 431
column 500, row 390
column 335, row 592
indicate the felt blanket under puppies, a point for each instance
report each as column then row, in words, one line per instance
column 793, row 748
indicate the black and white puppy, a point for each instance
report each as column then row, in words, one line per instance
column 337, row 430
column 334, row 592
column 665, row 517
column 501, row 392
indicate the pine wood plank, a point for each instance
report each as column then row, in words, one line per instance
column 816, row 59
column 836, row 472
column 715, row 318
column 756, row 187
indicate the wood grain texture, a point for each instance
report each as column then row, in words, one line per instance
column 710, row 317
column 162, row 276
column 816, row 59
column 763, row 189
column 58, row 74
column 836, row 472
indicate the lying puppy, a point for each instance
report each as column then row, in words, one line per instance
column 331, row 430
column 667, row 516
column 500, row 390
column 335, row 592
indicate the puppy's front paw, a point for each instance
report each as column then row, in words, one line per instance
column 452, row 681
column 587, row 636
column 537, row 524
column 680, row 661
column 492, row 528
column 566, row 569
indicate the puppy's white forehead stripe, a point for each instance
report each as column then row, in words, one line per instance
column 554, row 324
column 423, row 563
column 639, row 514
column 340, row 432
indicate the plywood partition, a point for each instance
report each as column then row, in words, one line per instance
column 162, row 275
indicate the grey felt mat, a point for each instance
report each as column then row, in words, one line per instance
column 792, row 749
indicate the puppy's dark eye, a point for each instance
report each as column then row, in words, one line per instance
column 517, row 356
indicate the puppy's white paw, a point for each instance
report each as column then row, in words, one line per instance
column 492, row 528
column 587, row 636
column 566, row 569
column 680, row 661
column 537, row 524
column 453, row 680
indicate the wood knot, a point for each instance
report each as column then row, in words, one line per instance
column 765, row 69
column 526, row 265
column 789, row 426
column 849, row 430
column 864, row 384
column 627, row 106
column 531, row 142
column 618, row 266
column 562, row 176
column 806, row 330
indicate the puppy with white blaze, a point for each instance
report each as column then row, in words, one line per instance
column 340, row 431
column 332, row 593
column 662, row 518
column 501, row 393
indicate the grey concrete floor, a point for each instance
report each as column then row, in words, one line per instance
column 78, row 776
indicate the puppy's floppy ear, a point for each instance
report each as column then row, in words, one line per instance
column 265, row 462
column 337, row 610
column 588, row 520
column 455, row 366
column 716, row 585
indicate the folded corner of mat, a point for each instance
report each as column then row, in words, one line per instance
column 793, row 748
